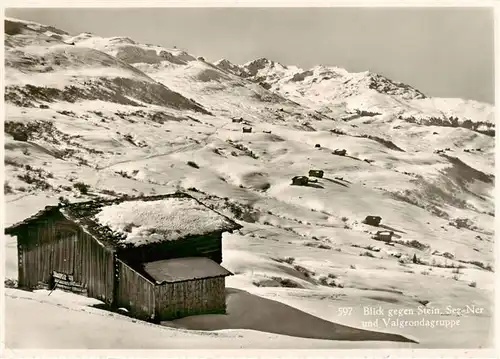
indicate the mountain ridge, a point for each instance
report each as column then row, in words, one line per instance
column 325, row 88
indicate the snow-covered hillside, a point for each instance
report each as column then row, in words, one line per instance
column 88, row 117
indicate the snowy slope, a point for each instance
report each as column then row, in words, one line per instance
column 110, row 116
column 196, row 79
column 40, row 72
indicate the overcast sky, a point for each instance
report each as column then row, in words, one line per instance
column 445, row 52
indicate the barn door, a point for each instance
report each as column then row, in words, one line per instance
column 64, row 252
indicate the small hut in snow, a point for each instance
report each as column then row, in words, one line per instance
column 373, row 220
column 300, row 180
column 159, row 256
column 316, row 173
column 384, row 236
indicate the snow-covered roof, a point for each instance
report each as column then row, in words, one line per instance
column 164, row 219
column 139, row 221
column 182, row 269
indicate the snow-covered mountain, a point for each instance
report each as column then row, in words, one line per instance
column 44, row 67
column 334, row 91
column 88, row 117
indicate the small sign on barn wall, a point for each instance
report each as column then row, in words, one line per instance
column 66, row 282
column 63, row 276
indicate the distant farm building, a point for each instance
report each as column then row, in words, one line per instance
column 237, row 120
column 316, row 173
column 247, row 129
column 384, row 236
column 340, row 152
column 159, row 257
column 373, row 220
column 300, row 181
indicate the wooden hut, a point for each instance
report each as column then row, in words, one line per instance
column 300, row 180
column 384, row 236
column 316, row 173
column 373, row 220
column 159, row 256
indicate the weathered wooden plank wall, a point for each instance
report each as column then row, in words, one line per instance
column 40, row 252
column 58, row 245
column 94, row 267
column 135, row 292
column 174, row 300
